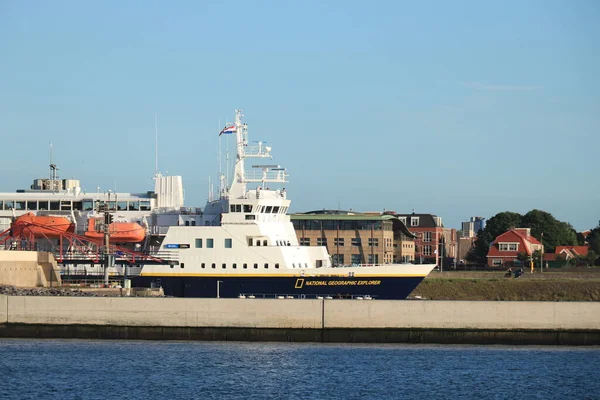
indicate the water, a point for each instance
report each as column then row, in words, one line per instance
column 82, row 369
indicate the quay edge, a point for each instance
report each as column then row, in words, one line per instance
column 330, row 321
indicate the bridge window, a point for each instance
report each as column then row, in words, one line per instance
column 210, row 243
column 268, row 209
column 32, row 205
column 275, row 209
column 133, row 206
column 247, row 208
column 264, row 242
column 54, row 205
column 20, row 205
column 198, row 243
column 121, row 205
column 9, row 205
column 232, row 208
column 227, row 243
column 250, row 217
column 144, row 205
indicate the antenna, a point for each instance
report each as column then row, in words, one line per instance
column 155, row 144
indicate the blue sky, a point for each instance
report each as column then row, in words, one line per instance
column 456, row 108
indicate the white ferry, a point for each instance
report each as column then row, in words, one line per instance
column 245, row 246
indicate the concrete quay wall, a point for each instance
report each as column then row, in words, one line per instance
column 575, row 323
column 28, row 269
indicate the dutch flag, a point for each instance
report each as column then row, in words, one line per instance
column 228, row 130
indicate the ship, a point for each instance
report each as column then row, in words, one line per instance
column 245, row 246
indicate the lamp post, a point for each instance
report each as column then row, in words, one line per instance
column 542, row 253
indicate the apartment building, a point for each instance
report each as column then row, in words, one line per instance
column 356, row 238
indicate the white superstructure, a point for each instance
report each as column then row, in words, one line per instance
column 247, row 232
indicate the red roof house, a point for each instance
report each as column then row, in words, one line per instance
column 506, row 247
column 572, row 251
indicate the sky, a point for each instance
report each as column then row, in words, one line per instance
column 459, row 109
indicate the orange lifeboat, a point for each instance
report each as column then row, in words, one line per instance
column 120, row 232
column 41, row 226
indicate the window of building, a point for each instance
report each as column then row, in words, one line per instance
column 403, row 219
column 144, row 205
column 321, row 241
column 265, row 242
column 210, row 243
column 304, row 241
column 198, row 243
column 373, row 258
column 414, row 221
column 228, row 243
column 513, row 246
column 373, row 242
column 339, row 241
column 496, row 262
column 427, row 237
column 355, row 241
column 506, row 246
column 427, row 250
column 187, row 223
column 337, row 259
column 355, row 259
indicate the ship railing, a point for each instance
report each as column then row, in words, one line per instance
column 291, row 296
column 268, row 176
column 257, row 150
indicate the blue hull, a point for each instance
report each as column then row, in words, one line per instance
column 390, row 288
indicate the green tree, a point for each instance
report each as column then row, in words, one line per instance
column 593, row 239
column 556, row 233
column 524, row 258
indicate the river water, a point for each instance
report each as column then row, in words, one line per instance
column 86, row 369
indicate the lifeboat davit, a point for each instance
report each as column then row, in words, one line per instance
column 41, row 226
column 120, row 232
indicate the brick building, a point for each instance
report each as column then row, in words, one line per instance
column 356, row 238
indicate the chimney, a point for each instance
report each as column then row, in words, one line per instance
column 526, row 232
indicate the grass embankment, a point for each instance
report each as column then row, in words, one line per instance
column 509, row 289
